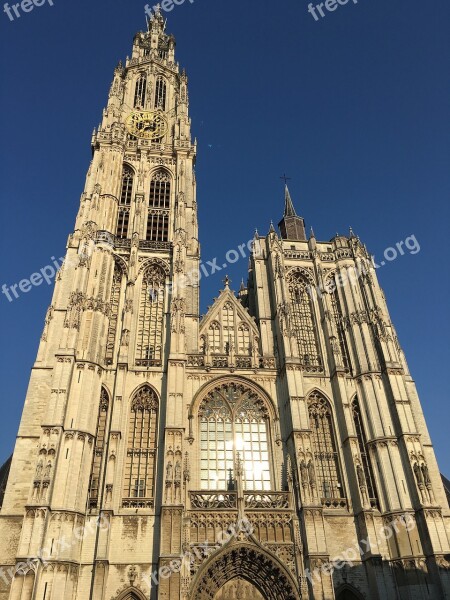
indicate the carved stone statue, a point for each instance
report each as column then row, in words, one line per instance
column 169, row 471
column 48, row 469
column 178, row 471
column 312, row 473
column 426, row 474
column 360, row 475
column 304, row 472
column 39, row 468
column 418, row 473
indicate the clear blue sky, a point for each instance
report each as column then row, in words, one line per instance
column 354, row 107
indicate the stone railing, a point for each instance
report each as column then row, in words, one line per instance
column 141, row 362
column 334, row 502
column 213, row 501
column 196, row 360
column 138, row 503
column 266, row 500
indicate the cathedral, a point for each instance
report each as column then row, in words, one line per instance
column 272, row 449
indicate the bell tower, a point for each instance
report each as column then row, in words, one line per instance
column 111, row 360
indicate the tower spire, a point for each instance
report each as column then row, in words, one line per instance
column 289, row 210
column 292, row 227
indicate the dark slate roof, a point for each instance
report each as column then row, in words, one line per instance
column 446, row 483
column 4, row 474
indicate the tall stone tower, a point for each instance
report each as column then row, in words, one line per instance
column 273, row 450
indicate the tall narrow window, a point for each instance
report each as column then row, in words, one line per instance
column 234, row 425
column 126, row 192
column 140, row 92
column 159, row 205
column 338, row 319
column 94, row 482
column 228, row 325
column 139, row 480
column 151, row 318
column 214, row 337
column 303, row 321
column 363, row 451
column 244, row 347
column 160, row 93
column 326, row 460
column 114, row 314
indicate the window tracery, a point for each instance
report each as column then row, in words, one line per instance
column 139, row 478
column 234, row 423
column 364, row 452
column 140, row 91
column 159, row 207
column 160, row 93
column 100, row 441
column 126, row 192
column 329, row 480
column 151, row 317
column 304, row 325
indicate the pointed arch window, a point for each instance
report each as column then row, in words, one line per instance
column 139, row 479
column 303, row 321
column 364, row 452
column 160, row 93
column 99, row 448
column 126, row 192
column 140, row 91
column 244, row 344
column 324, row 447
column 338, row 319
column 234, row 426
column 159, row 205
column 151, row 318
column 114, row 314
column 214, row 337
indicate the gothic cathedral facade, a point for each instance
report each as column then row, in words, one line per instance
column 274, row 449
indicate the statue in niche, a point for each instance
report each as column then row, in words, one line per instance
column 418, row 473
column 48, row 469
column 304, row 472
column 312, row 473
column 426, row 474
column 178, row 471
column 39, row 468
column 169, row 471
column 360, row 475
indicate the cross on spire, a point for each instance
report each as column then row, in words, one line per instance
column 285, row 178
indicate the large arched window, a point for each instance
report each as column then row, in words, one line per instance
column 338, row 319
column 160, row 93
column 159, row 207
column 114, row 314
column 99, row 448
column 140, row 92
column 139, row 479
column 151, row 317
column 126, row 192
column 234, row 425
column 327, row 472
column 364, row 453
column 303, row 320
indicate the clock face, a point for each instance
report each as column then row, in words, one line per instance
column 147, row 125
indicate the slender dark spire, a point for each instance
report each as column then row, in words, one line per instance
column 289, row 210
column 292, row 227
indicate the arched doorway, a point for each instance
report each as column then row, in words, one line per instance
column 237, row 567
column 238, row 589
column 347, row 592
